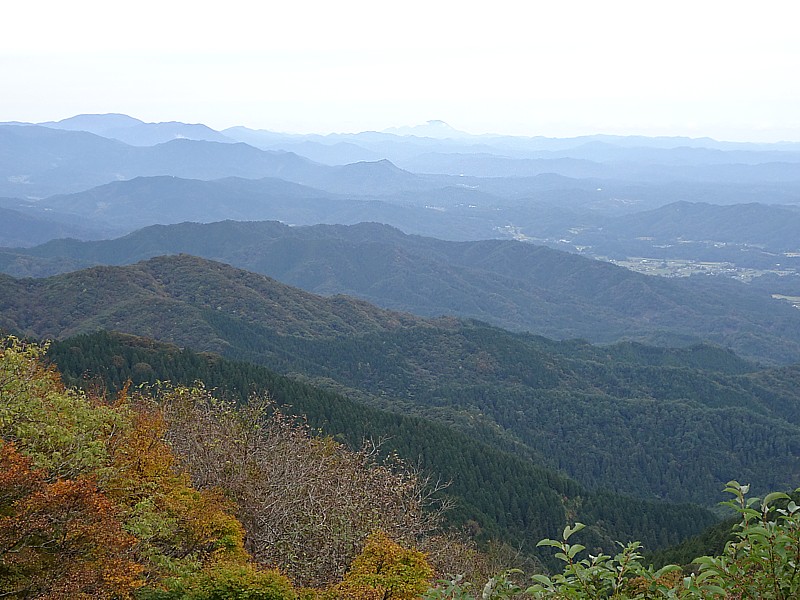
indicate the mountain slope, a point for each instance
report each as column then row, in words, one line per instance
column 140, row 201
column 22, row 227
column 583, row 409
column 528, row 502
column 510, row 284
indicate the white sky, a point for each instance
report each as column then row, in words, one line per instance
column 726, row 69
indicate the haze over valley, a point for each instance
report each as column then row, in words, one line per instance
column 671, row 206
column 347, row 301
column 426, row 301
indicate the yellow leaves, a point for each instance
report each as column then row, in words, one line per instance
column 141, row 458
column 63, row 431
column 234, row 581
column 384, row 570
column 206, row 527
column 178, row 525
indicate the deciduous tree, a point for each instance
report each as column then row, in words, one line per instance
column 60, row 539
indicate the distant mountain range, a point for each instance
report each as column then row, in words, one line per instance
column 437, row 148
column 136, row 132
column 123, row 206
column 512, row 284
column 40, row 161
column 551, row 209
column 567, row 194
column 403, row 339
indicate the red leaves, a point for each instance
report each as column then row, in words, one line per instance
column 62, row 539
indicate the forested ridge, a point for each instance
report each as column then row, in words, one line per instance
column 515, row 285
column 498, row 494
column 698, row 407
column 543, row 399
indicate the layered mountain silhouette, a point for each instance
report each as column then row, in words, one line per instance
column 41, row 161
column 507, row 283
column 136, row 132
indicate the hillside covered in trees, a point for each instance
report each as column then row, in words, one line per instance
column 173, row 493
column 177, row 495
column 495, row 493
column 510, row 284
column 698, row 407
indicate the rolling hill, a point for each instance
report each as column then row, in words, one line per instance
column 652, row 423
column 773, row 228
column 510, row 284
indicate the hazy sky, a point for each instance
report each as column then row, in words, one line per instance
column 726, row 69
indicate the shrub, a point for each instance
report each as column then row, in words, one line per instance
column 227, row 582
column 384, row 571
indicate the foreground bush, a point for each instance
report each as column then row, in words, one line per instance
column 226, row 582
column 762, row 562
column 384, row 571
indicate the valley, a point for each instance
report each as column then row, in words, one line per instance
column 601, row 329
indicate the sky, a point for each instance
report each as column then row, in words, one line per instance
column 728, row 70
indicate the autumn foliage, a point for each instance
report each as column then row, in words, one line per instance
column 61, row 538
column 178, row 495
column 384, row 571
column 308, row 504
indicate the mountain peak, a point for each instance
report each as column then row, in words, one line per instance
column 435, row 128
column 95, row 122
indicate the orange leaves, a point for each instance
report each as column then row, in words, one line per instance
column 63, row 538
column 108, row 506
column 17, row 479
column 99, row 500
column 176, row 524
column 141, row 459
